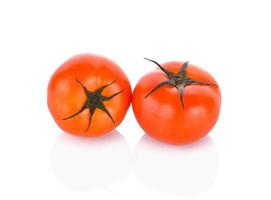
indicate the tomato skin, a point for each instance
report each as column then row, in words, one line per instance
column 65, row 95
column 161, row 114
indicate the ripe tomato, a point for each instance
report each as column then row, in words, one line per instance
column 88, row 95
column 177, row 104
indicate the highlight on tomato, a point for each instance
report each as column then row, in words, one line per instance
column 178, row 103
column 88, row 95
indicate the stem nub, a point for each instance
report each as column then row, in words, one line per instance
column 180, row 80
column 95, row 100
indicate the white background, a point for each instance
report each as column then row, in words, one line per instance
column 230, row 39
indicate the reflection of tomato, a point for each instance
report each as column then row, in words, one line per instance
column 88, row 95
column 174, row 170
column 76, row 163
column 178, row 104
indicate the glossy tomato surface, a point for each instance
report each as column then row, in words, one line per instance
column 88, row 95
column 182, row 111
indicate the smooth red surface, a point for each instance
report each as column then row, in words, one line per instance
column 161, row 115
column 66, row 96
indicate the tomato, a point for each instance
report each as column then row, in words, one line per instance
column 178, row 104
column 88, row 95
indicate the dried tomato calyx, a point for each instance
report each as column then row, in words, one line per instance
column 180, row 80
column 95, row 100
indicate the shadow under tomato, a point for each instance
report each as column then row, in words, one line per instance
column 180, row 170
column 90, row 163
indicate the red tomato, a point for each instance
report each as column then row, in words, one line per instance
column 88, row 95
column 177, row 104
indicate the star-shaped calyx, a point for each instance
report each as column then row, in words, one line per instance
column 180, row 80
column 95, row 100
